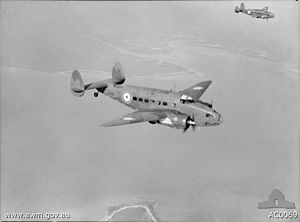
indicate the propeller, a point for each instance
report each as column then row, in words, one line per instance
column 189, row 122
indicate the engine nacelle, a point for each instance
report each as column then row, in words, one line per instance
column 175, row 120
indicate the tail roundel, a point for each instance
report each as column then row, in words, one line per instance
column 77, row 85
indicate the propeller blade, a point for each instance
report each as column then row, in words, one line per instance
column 193, row 127
column 189, row 122
column 186, row 128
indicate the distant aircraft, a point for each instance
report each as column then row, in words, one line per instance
column 256, row 13
column 174, row 109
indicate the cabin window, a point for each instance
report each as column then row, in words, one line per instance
column 152, row 101
column 174, row 104
column 134, row 98
column 158, row 102
column 146, row 100
column 141, row 99
column 165, row 103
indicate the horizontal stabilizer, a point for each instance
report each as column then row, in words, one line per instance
column 98, row 84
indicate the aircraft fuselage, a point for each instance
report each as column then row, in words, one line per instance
column 256, row 13
column 259, row 13
column 181, row 109
column 151, row 99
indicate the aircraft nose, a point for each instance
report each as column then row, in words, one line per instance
column 272, row 15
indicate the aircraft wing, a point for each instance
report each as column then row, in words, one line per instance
column 196, row 91
column 136, row 117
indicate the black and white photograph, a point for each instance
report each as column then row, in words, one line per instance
column 150, row 111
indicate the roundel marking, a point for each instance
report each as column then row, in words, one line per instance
column 126, row 97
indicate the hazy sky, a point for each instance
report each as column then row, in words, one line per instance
column 56, row 158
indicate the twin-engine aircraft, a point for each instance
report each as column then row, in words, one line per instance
column 256, row 13
column 174, row 109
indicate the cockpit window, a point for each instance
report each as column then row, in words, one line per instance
column 186, row 99
column 208, row 115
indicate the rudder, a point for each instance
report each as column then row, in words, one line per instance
column 242, row 6
column 77, row 85
column 118, row 75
